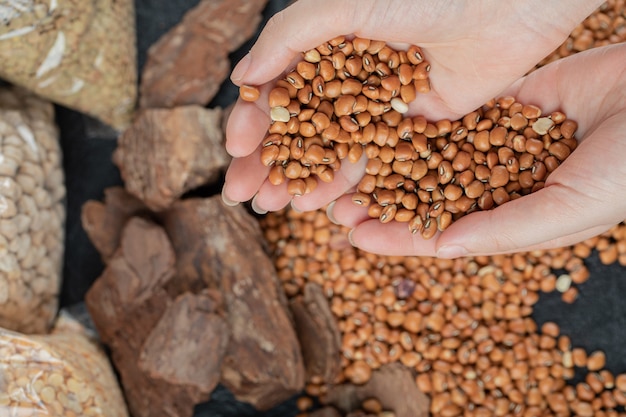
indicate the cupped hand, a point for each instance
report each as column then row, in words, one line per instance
column 583, row 197
column 476, row 49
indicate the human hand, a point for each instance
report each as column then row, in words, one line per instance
column 582, row 198
column 476, row 49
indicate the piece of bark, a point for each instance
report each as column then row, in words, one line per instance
column 168, row 152
column 318, row 334
column 392, row 384
column 325, row 412
column 103, row 222
column 133, row 313
column 188, row 64
column 222, row 247
column 186, row 347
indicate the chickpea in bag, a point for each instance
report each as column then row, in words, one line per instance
column 80, row 54
column 32, row 212
column 63, row 374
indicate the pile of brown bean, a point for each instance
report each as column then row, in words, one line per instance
column 437, row 172
column 464, row 326
column 339, row 98
column 347, row 98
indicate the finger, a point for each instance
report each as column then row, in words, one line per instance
column 244, row 177
column 291, row 31
column 345, row 212
column 246, row 127
column 271, row 198
column 555, row 215
column 559, row 242
column 391, row 239
column 345, row 178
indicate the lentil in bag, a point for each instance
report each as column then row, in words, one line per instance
column 32, row 212
column 80, row 54
column 63, row 374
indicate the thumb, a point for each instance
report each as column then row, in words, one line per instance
column 551, row 217
column 302, row 26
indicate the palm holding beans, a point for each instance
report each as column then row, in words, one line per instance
column 466, row 73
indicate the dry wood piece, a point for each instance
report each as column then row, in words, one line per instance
column 186, row 335
column 325, row 412
column 221, row 247
column 144, row 325
column 104, row 222
column 188, row 64
column 168, row 152
column 318, row 334
column 64, row 373
column 394, row 387
column 32, row 212
column 77, row 53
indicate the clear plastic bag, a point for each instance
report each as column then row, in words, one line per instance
column 80, row 54
column 32, row 212
column 63, row 374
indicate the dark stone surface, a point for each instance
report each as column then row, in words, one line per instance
column 597, row 320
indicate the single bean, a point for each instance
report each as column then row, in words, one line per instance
column 249, row 93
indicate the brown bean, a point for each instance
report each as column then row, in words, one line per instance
column 559, row 150
column 596, row 361
column 279, row 97
column 296, row 187
column 249, row 93
column 499, row 176
column 269, row 154
column 354, row 65
column 387, row 214
column 482, row 141
column 568, row 128
column 344, row 105
column 534, row 146
column 306, row 70
column 421, row 71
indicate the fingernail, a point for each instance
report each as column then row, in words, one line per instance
column 350, row 238
column 256, row 208
column 240, row 69
column 226, row 200
column 294, row 208
column 451, row 251
column 329, row 212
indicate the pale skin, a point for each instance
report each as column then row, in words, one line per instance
column 478, row 50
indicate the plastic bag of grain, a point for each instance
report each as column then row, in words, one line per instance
column 62, row 374
column 80, row 54
column 32, row 212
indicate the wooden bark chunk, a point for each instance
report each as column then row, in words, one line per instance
column 187, row 345
column 103, row 222
column 221, row 246
column 325, row 412
column 318, row 334
column 393, row 385
column 133, row 312
column 169, row 152
column 189, row 63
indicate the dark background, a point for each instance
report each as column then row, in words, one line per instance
column 597, row 320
